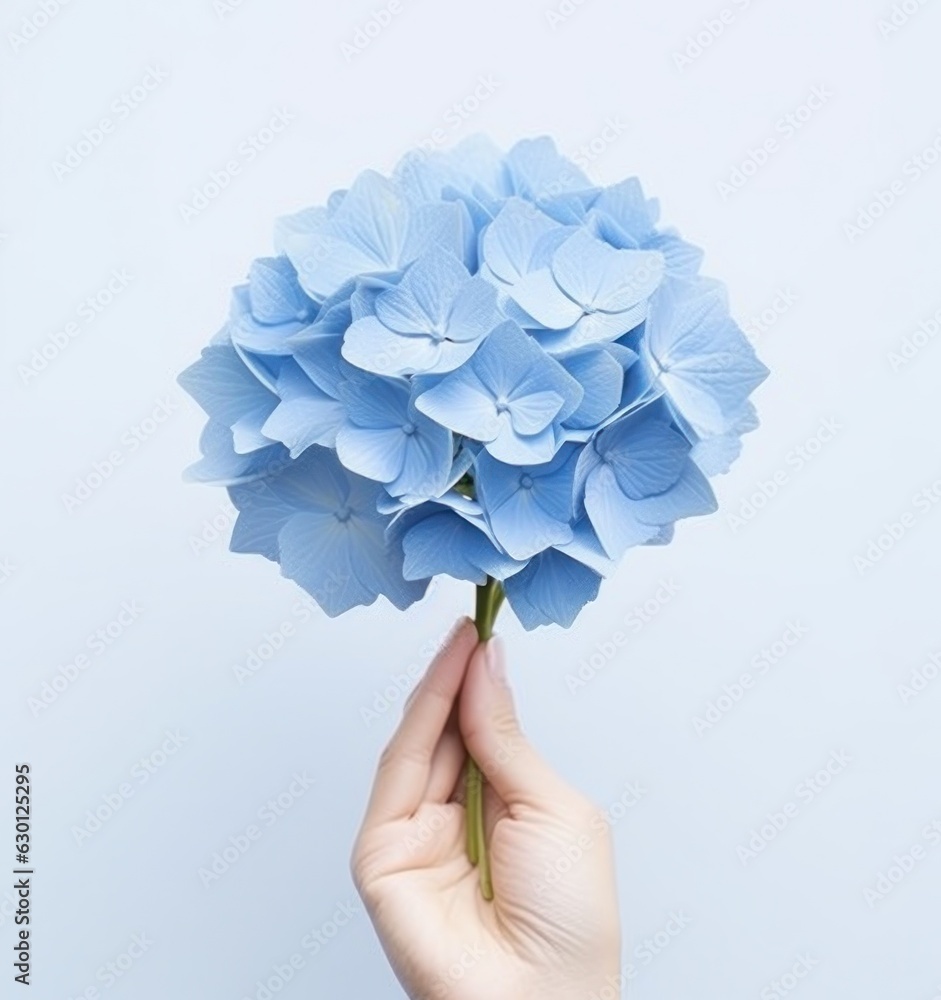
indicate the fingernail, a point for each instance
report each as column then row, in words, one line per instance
column 495, row 660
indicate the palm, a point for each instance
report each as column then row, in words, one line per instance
column 438, row 927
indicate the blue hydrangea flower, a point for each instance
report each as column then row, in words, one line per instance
column 510, row 395
column 386, row 439
column 484, row 367
column 528, row 507
column 636, row 477
column 432, row 321
column 320, row 522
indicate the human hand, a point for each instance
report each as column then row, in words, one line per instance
column 552, row 931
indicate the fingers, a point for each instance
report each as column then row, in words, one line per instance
column 405, row 765
column 493, row 736
column 447, row 765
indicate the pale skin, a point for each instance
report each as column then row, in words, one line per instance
column 552, row 930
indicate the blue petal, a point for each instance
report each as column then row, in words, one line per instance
column 446, row 226
column 715, row 455
column 249, row 334
column 537, row 170
column 682, row 258
column 275, row 294
column 422, row 301
column 551, row 590
column 540, row 296
column 365, row 235
column 585, row 548
column 247, row 434
column 601, row 278
column 262, row 514
column 510, row 241
column 427, row 460
column 336, row 548
column 529, row 508
column 306, row 415
column 691, row 496
column 646, row 455
column 700, row 356
column 601, row 376
column 463, row 403
column 376, row 452
column 612, row 514
column 445, row 542
column 321, row 360
column 223, row 386
column 506, row 395
column 626, row 213
column 370, row 345
column 221, row 465
column 474, row 312
column 375, row 402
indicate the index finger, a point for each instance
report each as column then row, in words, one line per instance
column 405, row 765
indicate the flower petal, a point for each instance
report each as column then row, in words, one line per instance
column 551, row 590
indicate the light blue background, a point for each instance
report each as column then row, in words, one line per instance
column 682, row 130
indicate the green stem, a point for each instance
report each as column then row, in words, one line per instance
column 489, row 598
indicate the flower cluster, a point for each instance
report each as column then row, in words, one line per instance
column 482, row 366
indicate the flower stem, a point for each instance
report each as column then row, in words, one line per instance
column 489, row 598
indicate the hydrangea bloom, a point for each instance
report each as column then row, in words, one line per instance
column 484, row 366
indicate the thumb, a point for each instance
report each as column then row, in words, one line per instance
column 492, row 734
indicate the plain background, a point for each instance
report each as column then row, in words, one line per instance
column 604, row 75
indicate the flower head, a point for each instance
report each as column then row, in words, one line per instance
column 483, row 366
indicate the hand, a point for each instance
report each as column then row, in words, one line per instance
column 552, row 931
